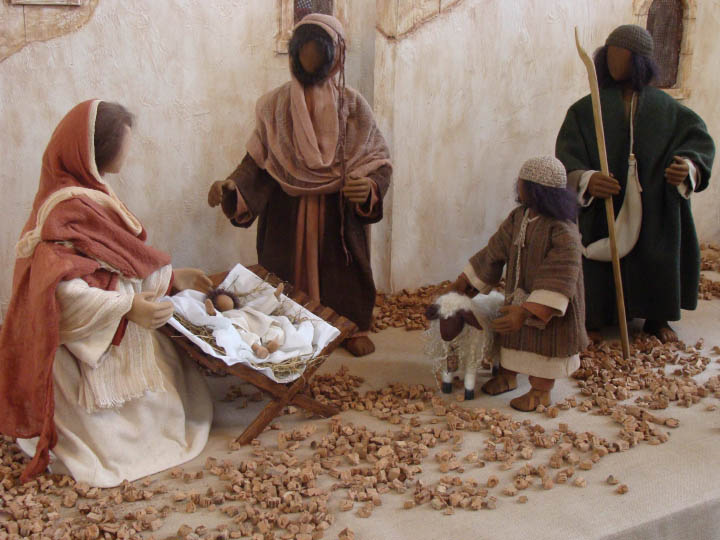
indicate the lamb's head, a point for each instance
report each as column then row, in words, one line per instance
column 452, row 311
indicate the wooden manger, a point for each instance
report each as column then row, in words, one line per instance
column 281, row 394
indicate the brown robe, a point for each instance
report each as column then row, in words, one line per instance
column 550, row 261
column 348, row 288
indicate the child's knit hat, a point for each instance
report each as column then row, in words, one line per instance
column 544, row 170
column 633, row 38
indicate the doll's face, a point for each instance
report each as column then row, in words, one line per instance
column 311, row 56
column 619, row 63
column 224, row 303
column 116, row 164
column 521, row 191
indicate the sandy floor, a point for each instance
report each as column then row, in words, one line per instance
column 680, row 477
column 674, row 487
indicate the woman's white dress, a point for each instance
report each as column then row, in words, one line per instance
column 127, row 411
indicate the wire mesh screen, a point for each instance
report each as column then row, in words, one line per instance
column 304, row 7
column 665, row 23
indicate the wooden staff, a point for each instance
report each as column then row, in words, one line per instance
column 609, row 211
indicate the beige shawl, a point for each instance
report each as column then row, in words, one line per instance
column 311, row 151
column 111, row 374
column 302, row 150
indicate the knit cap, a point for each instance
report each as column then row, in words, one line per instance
column 544, row 170
column 633, row 38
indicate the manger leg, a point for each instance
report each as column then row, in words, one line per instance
column 309, row 404
column 275, row 407
column 262, row 420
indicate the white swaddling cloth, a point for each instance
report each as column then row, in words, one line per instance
column 261, row 319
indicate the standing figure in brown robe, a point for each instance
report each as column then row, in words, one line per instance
column 542, row 330
column 315, row 173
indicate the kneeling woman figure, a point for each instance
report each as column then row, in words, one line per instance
column 82, row 370
column 543, row 326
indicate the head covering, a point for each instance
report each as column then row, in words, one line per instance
column 633, row 38
column 302, row 150
column 334, row 28
column 544, row 170
column 78, row 228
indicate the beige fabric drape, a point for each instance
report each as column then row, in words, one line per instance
column 111, row 375
column 121, row 412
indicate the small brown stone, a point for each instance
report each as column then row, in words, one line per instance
column 346, row 534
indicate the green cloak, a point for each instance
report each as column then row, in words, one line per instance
column 662, row 272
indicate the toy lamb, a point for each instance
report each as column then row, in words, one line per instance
column 453, row 346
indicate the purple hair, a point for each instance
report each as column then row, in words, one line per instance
column 556, row 203
column 644, row 70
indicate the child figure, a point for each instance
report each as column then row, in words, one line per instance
column 542, row 329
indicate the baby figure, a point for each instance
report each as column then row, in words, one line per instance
column 253, row 321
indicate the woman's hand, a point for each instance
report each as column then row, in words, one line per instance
column 512, row 321
column 147, row 313
column 217, row 191
column 191, row 278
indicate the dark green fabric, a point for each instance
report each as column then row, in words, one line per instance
column 661, row 274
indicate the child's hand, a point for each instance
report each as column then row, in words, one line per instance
column 512, row 321
column 461, row 286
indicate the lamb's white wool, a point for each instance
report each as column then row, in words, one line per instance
column 451, row 303
column 471, row 347
column 467, row 347
column 486, row 307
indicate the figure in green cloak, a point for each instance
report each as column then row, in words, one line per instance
column 659, row 153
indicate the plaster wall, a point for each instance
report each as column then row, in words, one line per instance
column 704, row 81
column 469, row 95
column 23, row 24
column 191, row 73
column 463, row 92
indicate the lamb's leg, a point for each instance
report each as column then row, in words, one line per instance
column 470, row 383
column 447, row 379
column 451, row 368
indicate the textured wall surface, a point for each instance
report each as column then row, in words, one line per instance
column 468, row 96
column 463, row 95
column 704, row 81
column 191, row 73
column 20, row 25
